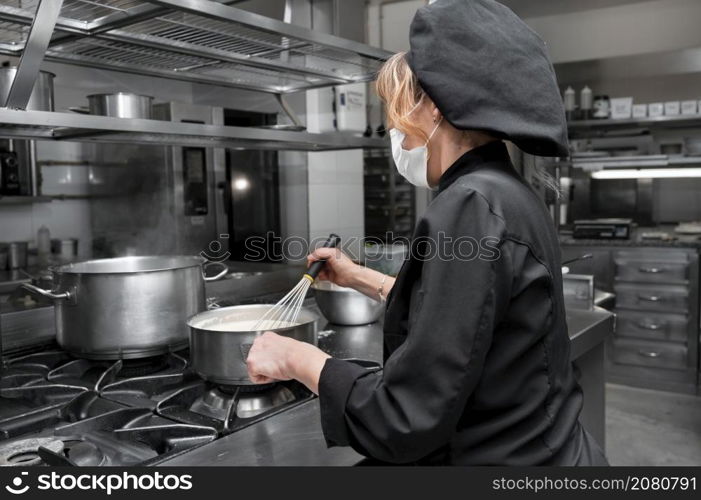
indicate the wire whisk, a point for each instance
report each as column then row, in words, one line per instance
column 286, row 311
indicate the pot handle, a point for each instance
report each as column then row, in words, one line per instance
column 48, row 293
column 217, row 276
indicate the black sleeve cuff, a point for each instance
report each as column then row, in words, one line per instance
column 335, row 383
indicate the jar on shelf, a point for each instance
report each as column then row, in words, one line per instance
column 602, row 107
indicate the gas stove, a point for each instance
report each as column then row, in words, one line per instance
column 56, row 409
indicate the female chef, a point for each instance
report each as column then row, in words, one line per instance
column 477, row 364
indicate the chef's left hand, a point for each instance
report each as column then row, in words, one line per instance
column 267, row 359
column 274, row 357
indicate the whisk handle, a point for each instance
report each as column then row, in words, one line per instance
column 331, row 242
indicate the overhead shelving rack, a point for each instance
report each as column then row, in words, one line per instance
column 584, row 128
column 86, row 128
column 194, row 40
column 202, row 41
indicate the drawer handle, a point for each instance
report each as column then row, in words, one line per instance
column 650, row 325
column 651, row 270
column 649, row 354
column 650, row 298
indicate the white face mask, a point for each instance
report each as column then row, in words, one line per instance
column 412, row 164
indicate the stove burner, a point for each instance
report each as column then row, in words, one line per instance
column 143, row 366
column 246, row 389
column 81, row 452
column 230, row 408
column 255, row 403
column 216, row 401
column 24, row 452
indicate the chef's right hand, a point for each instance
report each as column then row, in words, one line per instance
column 339, row 268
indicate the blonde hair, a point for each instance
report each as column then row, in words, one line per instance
column 401, row 93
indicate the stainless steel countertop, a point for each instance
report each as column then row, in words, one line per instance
column 295, row 438
column 636, row 239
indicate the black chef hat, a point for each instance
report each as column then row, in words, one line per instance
column 487, row 70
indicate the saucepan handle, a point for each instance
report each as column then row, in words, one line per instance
column 48, row 293
column 220, row 274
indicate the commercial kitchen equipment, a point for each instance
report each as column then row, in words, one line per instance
column 130, row 307
column 390, row 200
column 17, row 159
column 602, row 229
column 251, row 192
column 153, row 199
column 656, row 342
column 199, row 41
column 59, row 410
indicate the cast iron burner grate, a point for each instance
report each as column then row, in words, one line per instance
column 143, row 367
column 57, row 410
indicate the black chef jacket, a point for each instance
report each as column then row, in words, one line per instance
column 477, row 355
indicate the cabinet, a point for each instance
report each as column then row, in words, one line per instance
column 656, row 340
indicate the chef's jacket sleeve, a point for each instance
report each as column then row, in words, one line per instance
column 410, row 408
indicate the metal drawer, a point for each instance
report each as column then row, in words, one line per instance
column 665, row 298
column 643, row 270
column 649, row 353
column 652, row 325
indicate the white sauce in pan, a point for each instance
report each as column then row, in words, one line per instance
column 241, row 325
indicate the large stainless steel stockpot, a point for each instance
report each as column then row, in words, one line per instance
column 128, row 307
column 219, row 354
column 42, row 96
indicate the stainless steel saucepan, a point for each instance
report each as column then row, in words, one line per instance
column 221, row 338
column 118, row 105
column 128, row 307
column 42, row 96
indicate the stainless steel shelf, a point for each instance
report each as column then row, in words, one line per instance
column 193, row 40
column 85, row 128
column 23, row 200
column 680, row 121
column 633, row 162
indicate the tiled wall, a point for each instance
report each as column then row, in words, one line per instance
column 336, row 197
column 335, row 180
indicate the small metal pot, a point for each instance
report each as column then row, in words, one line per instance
column 219, row 355
column 17, row 255
column 121, row 105
column 42, row 97
column 65, row 249
column 128, row 307
column 346, row 306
